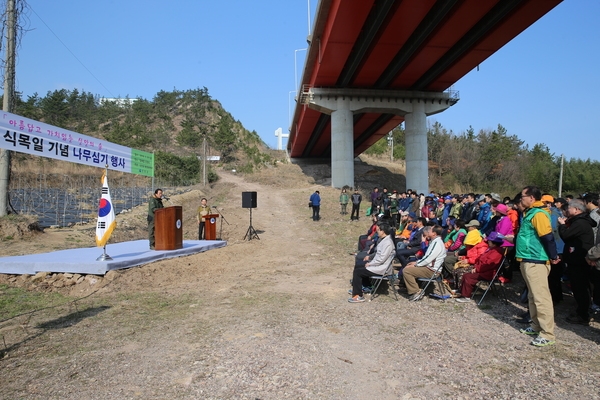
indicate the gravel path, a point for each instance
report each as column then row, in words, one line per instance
column 268, row 319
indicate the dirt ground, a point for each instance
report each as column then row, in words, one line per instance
column 269, row 318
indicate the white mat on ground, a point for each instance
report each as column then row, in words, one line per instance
column 83, row 261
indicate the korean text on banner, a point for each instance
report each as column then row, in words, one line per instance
column 106, row 215
column 28, row 136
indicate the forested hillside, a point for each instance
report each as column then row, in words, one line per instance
column 174, row 125
column 494, row 160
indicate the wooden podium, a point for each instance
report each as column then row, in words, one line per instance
column 168, row 228
column 210, row 226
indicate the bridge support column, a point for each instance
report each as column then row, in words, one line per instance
column 342, row 146
column 417, row 166
column 414, row 106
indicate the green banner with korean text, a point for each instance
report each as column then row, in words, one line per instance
column 142, row 162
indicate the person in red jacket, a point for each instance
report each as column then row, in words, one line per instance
column 485, row 267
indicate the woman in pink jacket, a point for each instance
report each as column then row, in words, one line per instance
column 504, row 226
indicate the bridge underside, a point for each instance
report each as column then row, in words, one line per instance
column 391, row 45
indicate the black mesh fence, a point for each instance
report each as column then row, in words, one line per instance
column 76, row 200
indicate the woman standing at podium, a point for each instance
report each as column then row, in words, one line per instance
column 203, row 210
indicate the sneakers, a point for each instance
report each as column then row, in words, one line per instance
column 503, row 279
column 463, row 300
column 356, row 299
column 529, row 331
column 417, row 296
column 365, row 289
column 577, row 320
column 541, row 342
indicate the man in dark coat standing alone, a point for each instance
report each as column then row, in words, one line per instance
column 356, row 199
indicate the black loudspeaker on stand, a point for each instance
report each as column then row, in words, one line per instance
column 249, row 201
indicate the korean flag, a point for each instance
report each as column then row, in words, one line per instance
column 106, row 215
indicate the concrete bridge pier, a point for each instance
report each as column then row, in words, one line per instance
column 414, row 106
column 415, row 123
column 342, row 146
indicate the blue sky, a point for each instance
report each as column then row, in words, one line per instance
column 542, row 86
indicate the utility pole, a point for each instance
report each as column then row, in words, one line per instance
column 8, row 102
column 204, row 160
column 560, row 178
column 391, row 144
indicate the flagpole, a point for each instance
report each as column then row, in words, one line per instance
column 104, row 256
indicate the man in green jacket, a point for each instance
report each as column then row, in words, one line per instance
column 154, row 203
column 535, row 249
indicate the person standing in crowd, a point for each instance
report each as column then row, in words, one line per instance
column 447, row 208
column 315, row 202
column 592, row 201
column 469, row 208
column 356, row 200
column 556, row 270
column 385, row 202
column 456, row 210
column 203, row 210
column 374, row 195
column 535, row 249
column 154, row 203
column 394, row 215
column 485, row 211
column 405, row 201
column 415, row 204
column 343, row 202
column 578, row 234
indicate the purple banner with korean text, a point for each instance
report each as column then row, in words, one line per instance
column 28, row 136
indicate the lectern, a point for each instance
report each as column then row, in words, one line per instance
column 210, row 226
column 168, row 228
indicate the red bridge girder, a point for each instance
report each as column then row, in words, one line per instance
column 421, row 45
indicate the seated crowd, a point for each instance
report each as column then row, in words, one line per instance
column 467, row 238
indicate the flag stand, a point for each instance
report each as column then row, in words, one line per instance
column 106, row 218
column 104, row 257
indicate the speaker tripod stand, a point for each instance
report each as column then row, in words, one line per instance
column 251, row 232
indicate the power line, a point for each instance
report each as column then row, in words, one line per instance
column 69, row 50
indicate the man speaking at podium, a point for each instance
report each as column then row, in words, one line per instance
column 154, row 203
column 203, row 210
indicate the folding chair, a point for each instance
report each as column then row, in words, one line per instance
column 390, row 276
column 438, row 280
column 491, row 284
